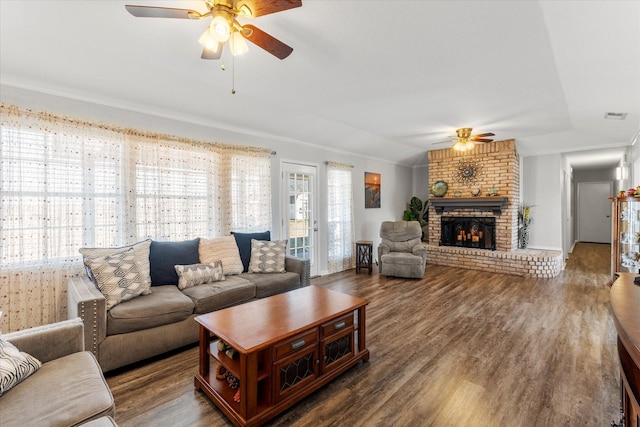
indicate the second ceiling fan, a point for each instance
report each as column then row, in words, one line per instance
column 224, row 26
column 464, row 141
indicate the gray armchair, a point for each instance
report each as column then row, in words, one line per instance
column 401, row 252
column 68, row 389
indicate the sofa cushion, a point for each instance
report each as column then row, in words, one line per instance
column 224, row 249
column 244, row 245
column 267, row 256
column 15, row 365
column 164, row 256
column 214, row 296
column 404, row 258
column 118, row 277
column 198, row 274
column 403, row 246
column 271, row 284
column 167, row 304
column 69, row 391
column 140, row 249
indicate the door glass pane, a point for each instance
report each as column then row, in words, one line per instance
column 300, row 215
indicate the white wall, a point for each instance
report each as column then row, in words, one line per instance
column 541, row 187
column 396, row 181
column 421, row 182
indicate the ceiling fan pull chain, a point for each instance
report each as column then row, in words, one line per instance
column 233, row 75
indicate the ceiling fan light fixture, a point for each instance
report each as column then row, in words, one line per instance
column 237, row 44
column 208, row 41
column 220, row 28
column 469, row 145
column 464, row 133
column 460, row 146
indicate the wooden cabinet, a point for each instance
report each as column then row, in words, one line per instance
column 336, row 346
column 303, row 339
column 625, row 306
column 625, row 249
column 296, row 363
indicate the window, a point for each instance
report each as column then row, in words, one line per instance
column 66, row 184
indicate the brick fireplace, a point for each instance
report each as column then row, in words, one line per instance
column 498, row 172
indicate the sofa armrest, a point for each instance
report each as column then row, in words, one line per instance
column 300, row 266
column 49, row 342
column 85, row 301
column 420, row 251
column 382, row 249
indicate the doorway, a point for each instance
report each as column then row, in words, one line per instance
column 300, row 211
column 594, row 211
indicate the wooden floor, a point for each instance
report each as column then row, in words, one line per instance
column 457, row 348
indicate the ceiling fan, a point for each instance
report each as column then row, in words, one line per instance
column 464, row 141
column 224, row 26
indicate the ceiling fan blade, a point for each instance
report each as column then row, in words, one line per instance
column 265, row 41
column 482, row 135
column 212, row 54
column 161, row 12
column 266, row 7
column 481, row 140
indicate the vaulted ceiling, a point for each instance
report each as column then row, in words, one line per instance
column 384, row 79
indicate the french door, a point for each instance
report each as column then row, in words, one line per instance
column 299, row 219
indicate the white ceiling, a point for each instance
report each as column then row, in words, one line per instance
column 384, row 79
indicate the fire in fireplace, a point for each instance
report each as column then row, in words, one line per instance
column 468, row 232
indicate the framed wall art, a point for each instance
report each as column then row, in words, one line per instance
column 371, row 190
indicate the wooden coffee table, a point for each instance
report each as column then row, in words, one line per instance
column 289, row 345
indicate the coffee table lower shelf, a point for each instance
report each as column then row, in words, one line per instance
column 289, row 363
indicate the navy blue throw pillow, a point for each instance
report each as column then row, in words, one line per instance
column 243, row 240
column 163, row 256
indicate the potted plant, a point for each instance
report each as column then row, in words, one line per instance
column 418, row 211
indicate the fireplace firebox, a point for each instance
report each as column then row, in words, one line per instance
column 468, row 232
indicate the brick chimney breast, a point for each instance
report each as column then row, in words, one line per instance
column 499, row 169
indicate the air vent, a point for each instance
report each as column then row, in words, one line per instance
column 615, row 116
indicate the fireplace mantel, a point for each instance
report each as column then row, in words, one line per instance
column 494, row 204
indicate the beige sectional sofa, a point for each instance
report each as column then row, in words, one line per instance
column 69, row 388
column 150, row 325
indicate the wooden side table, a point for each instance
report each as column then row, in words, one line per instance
column 364, row 255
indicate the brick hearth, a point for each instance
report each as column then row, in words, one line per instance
column 500, row 169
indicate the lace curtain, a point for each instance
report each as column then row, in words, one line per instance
column 341, row 241
column 67, row 184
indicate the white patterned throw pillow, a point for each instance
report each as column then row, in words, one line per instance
column 267, row 256
column 118, row 277
column 199, row 274
column 224, row 249
column 140, row 249
column 15, row 365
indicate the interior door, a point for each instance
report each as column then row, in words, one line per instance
column 299, row 221
column 594, row 211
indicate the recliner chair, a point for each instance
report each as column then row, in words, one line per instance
column 401, row 252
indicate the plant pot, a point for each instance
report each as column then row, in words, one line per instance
column 523, row 237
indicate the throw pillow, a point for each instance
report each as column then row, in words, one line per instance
column 15, row 365
column 140, row 249
column 163, row 256
column 224, row 249
column 244, row 245
column 198, row 274
column 118, row 277
column 267, row 256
